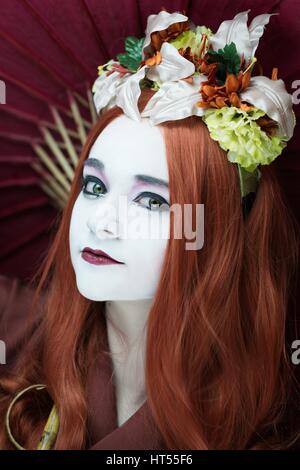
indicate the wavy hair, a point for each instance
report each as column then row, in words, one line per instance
column 217, row 371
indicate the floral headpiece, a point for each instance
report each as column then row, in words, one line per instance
column 197, row 72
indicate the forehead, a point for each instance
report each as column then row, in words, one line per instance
column 132, row 148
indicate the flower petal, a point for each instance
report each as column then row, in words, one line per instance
column 256, row 29
column 105, row 88
column 175, row 100
column 158, row 23
column 236, row 31
column 128, row 94
column 271, row 96
column 173, row 66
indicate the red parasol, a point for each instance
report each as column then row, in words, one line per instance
column 49, row 53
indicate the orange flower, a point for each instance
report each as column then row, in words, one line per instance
column 217, row 96
column 154, row 60
column 158, row 37
column 208, row 69
column 267, row 124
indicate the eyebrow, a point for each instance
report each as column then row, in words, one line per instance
column 151, row 180
column 95, row 163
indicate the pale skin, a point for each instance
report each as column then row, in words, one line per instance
column 125, row 149
column 128, row 352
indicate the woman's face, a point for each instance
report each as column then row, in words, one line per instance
column 123, row 210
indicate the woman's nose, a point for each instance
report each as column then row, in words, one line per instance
column 103, row 223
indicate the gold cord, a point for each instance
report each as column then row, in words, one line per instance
column 50, row 430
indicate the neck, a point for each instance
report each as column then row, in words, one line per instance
column 127, row 319
column 126, row 331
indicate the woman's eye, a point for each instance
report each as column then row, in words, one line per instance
column 151, row 201
column 92, row 186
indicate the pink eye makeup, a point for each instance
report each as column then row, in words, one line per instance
column 142, row 189
column 94, row 167
column 92, row 185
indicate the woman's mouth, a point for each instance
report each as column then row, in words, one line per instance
column 97, row 257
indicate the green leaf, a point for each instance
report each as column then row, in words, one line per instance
column 132, row 58
column 227, row 59
column 248, row 180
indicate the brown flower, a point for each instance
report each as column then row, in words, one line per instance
column 267, row 124
column 217, row 96
column 153, row 60
column 209, row 70
column 159, row 37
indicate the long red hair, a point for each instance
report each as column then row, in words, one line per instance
column 217, row 370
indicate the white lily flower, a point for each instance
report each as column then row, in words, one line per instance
column 173, row 65
column 158, row 23
column 271, row 96
column 175, row 100
column 128, row 94
column 245, row 38
column 105, row 89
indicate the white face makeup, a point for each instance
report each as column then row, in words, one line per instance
column 126, row 163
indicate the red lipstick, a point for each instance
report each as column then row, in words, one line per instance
column 97, row 256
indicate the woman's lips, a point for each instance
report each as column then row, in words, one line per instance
column 97, row 257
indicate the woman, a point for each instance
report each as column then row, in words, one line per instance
column 166, row 346
column 217, row 370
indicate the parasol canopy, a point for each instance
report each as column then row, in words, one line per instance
column 49, row 54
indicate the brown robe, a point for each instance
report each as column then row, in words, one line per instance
column 137, row 433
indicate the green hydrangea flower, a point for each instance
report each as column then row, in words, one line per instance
column 244, row 140
column 192, row 39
